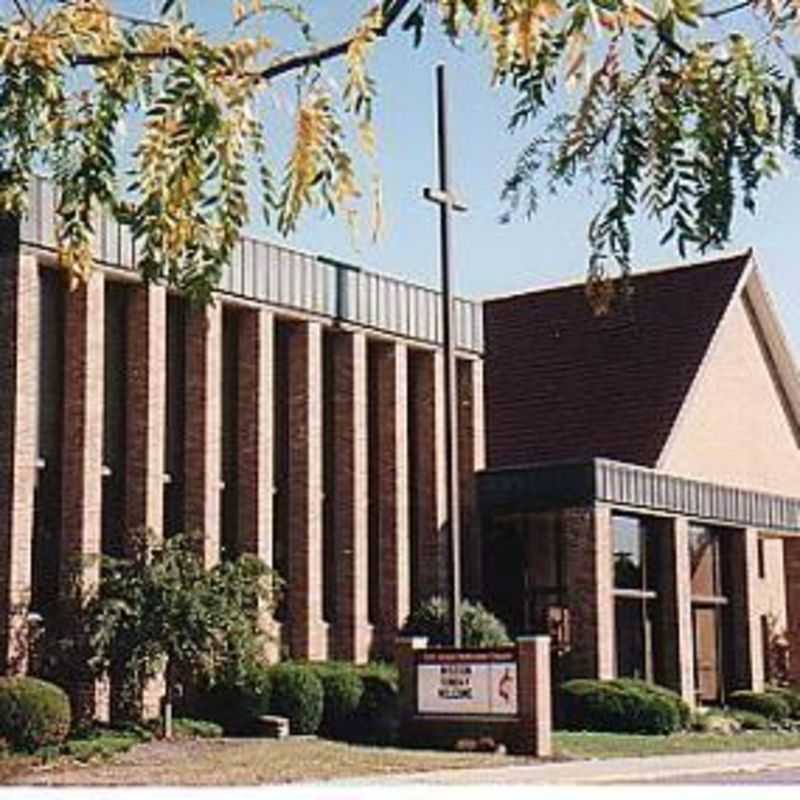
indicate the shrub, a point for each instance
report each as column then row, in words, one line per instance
column 770, row 705
column 751, row 721
column 33, row 713
column 479, row 627
column 377, row 719
column 298, row 695
column 791, row 697
column 236, row 708
column 342, row 690
column 188, row 728
column 684, row 712
column 603, row 706
column 102, row 746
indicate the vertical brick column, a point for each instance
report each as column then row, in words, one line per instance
column 146, row 392
column 534, row 693
column 204, row 428
column 747, row 663
column 19, row 362
column 82, row 486
column 352, row 633
column 675, row 597
column 392, row 492
column 146, row 408
column 587, row 550
column 791, row 566
column 256, row 432
column 472, row 457
column 430, row 506
column 307, row 631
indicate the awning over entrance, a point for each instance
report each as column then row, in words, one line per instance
column 545, row 487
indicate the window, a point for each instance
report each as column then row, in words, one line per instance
column 635, row 554
column 708, row 611
column 762, row 561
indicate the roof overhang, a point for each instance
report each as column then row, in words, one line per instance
column 548, row 487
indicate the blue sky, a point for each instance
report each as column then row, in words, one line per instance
column 490, row 258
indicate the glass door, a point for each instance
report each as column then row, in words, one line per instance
column 707, row 626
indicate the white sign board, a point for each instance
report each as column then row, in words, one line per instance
column 452, row 683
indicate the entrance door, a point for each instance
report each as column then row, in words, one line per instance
column 706, row 623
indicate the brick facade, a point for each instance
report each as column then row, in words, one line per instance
column 19, row 333
column 308, row 634
column 392, row 492
column 352, row 633
column 203, row 476
column 82, row 466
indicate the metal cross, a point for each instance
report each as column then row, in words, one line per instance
column 448, row 203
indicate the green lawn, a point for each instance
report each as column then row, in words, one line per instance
column 622, row 745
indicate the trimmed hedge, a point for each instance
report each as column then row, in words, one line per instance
column 652, row 689
column 769, row 704
column 33, row 713
column 297, row 694
column 791, row 697
column 342, row 689
column 618, row 707
column 750, row 720
column 377, row 719
column 236, row 708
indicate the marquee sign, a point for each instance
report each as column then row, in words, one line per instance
column 465, row 682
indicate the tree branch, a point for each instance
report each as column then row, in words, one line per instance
column 23, row 12
column 392, row 9
column 722, row 12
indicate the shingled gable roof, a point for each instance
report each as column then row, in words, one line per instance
column 563, row 383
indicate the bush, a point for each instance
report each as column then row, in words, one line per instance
column 751, row 721
column 479, row 627
column 33, row 713
column 684, row 712
column 236, row 708
column 342, row 690
column 791, row 697
column 377, row 719
column 100, row 746
column 771, row 705
column 297, row 694
column 603, row 706
column 188, row 728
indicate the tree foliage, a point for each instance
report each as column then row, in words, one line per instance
column 672, row 108
column 161, row 608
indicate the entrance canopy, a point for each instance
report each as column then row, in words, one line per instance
column 549, row 487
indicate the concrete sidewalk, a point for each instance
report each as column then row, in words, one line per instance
column 609, row 771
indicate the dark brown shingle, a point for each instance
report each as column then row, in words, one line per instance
column 562, row 383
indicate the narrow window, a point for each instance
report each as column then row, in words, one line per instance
column 762, row 560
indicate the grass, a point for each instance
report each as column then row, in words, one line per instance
column 569, row 744
column 229, row 762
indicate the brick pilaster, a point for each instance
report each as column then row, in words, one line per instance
column 145, row 430
column 747, row 662
column 675, row 596
column 82, row 485
column 203, row 467
column 429, row 477
column 791, row 566
column 472, row 457
column 534, row 703
column 307, row 632
column 352, row 632
column 587, row 546
column 146, row 408
column 19, row 361
column 256, row 432
column 392, row 492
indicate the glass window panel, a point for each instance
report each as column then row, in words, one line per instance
column 704, row 561
column 707, row 653
column 628, row 556
column 635, row 620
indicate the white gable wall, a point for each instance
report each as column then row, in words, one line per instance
column 735, row 428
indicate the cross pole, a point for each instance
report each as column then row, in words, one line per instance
column 447, row 203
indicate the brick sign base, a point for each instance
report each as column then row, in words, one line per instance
column 477, row 685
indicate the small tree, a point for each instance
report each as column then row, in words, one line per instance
column 160, row 609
